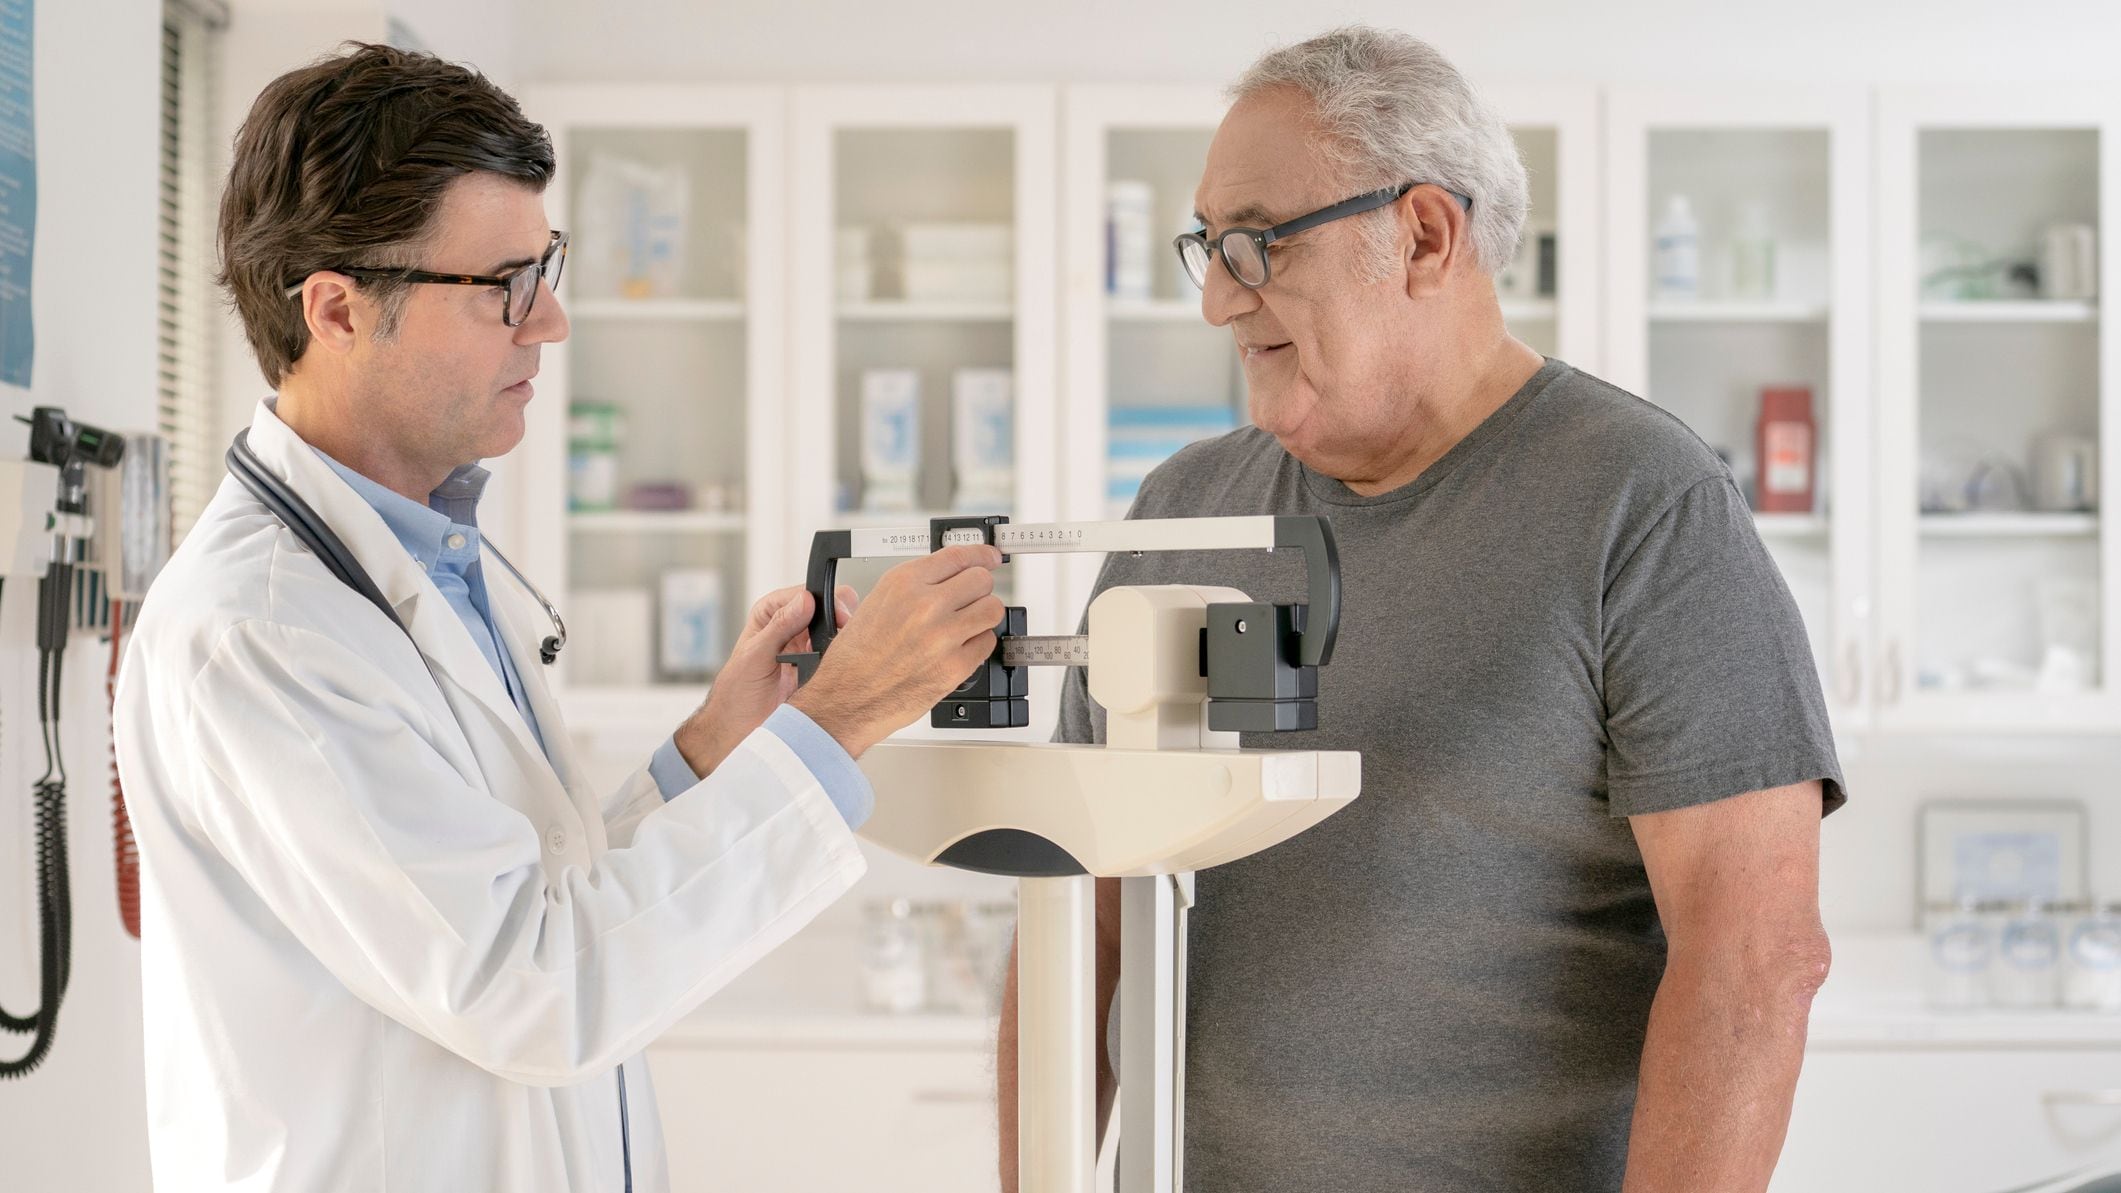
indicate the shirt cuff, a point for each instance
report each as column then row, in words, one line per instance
column 828, row 761
column 672, row 774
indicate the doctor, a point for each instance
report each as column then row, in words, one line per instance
column 393, row 940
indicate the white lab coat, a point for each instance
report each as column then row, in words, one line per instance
column 387, row 945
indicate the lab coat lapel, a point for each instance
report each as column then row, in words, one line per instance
column 436, row 631
column 523, row 626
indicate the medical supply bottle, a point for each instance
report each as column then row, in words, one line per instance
column 1753, row 254
column 1678, row 261
column 1786, row 441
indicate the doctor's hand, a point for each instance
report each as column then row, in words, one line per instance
column 754, row 682
column 925, row 626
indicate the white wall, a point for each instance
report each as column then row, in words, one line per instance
column 1613, row 41
column 481, row 32
column 264, row 41
column 79, row 1121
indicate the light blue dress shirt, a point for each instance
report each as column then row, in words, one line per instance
column 443, row 537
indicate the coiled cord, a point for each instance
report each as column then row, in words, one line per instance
column 126, row 849
column 55, row 910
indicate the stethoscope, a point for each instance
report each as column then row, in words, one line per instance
column 315, row 533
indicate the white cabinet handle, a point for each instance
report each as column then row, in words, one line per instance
column 1851, row 675
column 1889, row 680
column 2082, row 1097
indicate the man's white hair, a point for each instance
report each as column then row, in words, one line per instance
column 1395, row 111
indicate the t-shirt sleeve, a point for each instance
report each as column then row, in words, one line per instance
column 1710, row 686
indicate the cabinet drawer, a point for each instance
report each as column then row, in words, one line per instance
column 1950, row 1120
column 793, row 1120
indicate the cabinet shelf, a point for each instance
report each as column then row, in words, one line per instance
column 1718, row 311
column 1159, row 310
column 2010, row 525
column 2036, row 311
column 911, row 311
column 879, row 519
column 657, row 310
column 1529, row 310
column 1790, row 526
column 658, row 522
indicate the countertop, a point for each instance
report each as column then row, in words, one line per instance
column 806, row 994
column 1873, row 999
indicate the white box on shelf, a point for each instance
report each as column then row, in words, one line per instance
column 615, row 621
column 1138, row 438
column 1130, row 206
column 854, row 281
column 630, row 233
column 988, row 280
column 690, row 641
column 891, row 438
column 956, row 241
column 854, row 264
column 983, row 437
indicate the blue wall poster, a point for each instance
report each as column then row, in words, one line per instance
column 18, row 190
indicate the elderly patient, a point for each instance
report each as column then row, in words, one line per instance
column 1569, row 936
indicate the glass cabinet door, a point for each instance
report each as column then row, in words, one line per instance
column 644, row 440
column 925, row 325
column 2007, row 423
column 1999, row 415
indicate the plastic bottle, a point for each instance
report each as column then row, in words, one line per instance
column 1753, row 254
column 1678, row 259
column 1130, row 221
column 1786, row 440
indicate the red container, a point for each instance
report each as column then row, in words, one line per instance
column 1786, row 446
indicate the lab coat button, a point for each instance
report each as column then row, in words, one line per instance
column 556, row 840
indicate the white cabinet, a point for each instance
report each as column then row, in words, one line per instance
column 1778, row 188
column 1999, row 597
column 817, row 250
column 796, row 1119
column 1950, row 1120
column 1954, row 570
column 673, row 369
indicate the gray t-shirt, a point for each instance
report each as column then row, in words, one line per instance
column 1567, row 620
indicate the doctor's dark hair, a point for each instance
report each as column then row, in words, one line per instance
column 344, row 162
